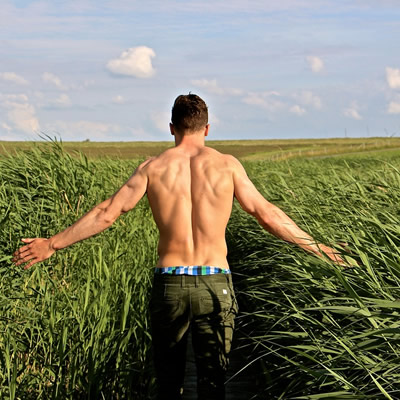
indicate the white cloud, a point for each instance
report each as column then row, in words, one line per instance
column 88, row 83
column 42, row 101
column 211, row 86
column 139, row 133
column 118, row 100
column 352, row 112
column 13, row 97
column 309, row 99
column 80, row 130
column 213, row 119
column 21, row 116
column 393, row 108
column 267, row 100
column 39, row 95
column 161, row 121
column 64, row 100
column 296, row 109
column 316, row 64
column 6, row 127
column 393, row 77
column 11, row 137
column 135, row 61
column 13, row 77
column 48, row 77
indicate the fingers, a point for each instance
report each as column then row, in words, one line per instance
column 21, row 253
column 28, row 240
column 24, row 253
column 336, row 257
column 20, row 260
column 30, row 264
column 346, row 263
column 344, row 260
column 22, row 250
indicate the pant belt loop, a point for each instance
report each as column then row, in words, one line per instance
column 196, row 281
column 182, row 281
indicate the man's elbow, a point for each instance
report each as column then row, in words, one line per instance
column 259, row 215
column 265, row 213
column 107, row 217
column 264, row 221
column 267, row 218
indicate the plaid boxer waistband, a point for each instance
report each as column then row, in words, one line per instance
column 192, row 270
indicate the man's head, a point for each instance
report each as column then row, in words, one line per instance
column 189, row 114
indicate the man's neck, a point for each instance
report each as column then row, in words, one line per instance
column 188, row 142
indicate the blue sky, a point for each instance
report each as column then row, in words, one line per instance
column 110, row 70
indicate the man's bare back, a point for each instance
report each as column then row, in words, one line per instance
column 190, row 189
column 191, row 195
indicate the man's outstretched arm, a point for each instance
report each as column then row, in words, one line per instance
column 95, row 221
column 273, row 219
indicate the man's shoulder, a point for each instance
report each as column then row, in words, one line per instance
column 229, row 158
column 168, row 153
column 144, row 164
column 156, row 162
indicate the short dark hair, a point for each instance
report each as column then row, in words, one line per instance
column 189, row 114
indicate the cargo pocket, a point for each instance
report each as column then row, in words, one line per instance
column 216, row 300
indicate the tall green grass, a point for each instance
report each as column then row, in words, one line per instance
column 316, row 330
column 76, row 326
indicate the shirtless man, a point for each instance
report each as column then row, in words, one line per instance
column 190, row 189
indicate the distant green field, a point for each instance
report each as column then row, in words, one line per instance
column 243, row 149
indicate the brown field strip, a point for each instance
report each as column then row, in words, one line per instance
column 243, row 149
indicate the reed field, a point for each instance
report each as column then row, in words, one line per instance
column 76, row 326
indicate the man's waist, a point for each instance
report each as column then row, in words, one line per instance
column 191, row 270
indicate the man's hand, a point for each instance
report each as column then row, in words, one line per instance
column 333, row 255
column 34, row 251
column 342, row 260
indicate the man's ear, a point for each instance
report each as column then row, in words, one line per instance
column 206, row 130
column 171, row 128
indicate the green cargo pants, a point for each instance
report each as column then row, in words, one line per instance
column 206, row 305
